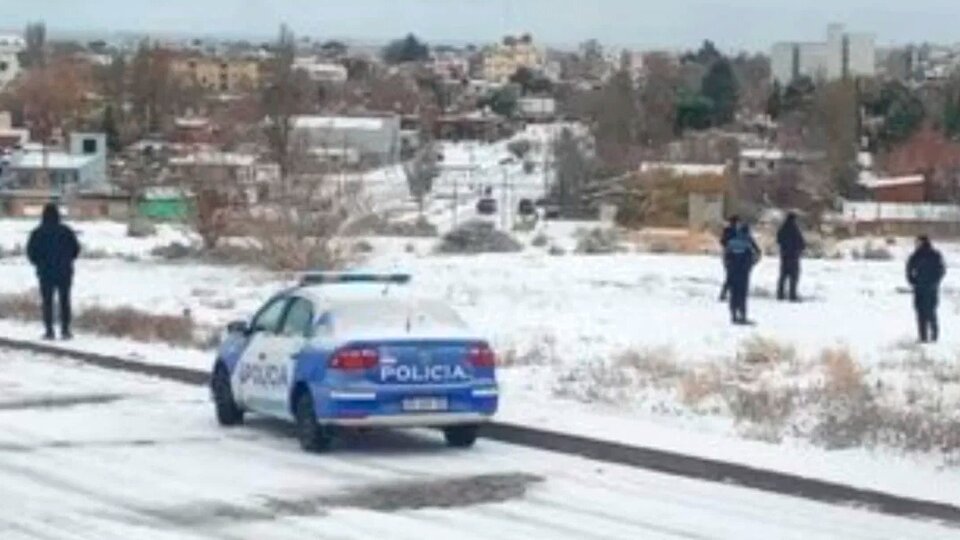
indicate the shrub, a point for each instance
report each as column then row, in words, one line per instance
column 477, row 237
column 598, row 242
column 761, row 351
column 556, row 251
column 174, row 251
column 420, row 228
column 362, row 247
column 141, row 228
column 540, row 240
column 123, row 322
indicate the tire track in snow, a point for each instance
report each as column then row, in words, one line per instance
column 645, row 458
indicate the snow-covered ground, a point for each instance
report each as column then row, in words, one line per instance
column 90, row 454
column 562, row 324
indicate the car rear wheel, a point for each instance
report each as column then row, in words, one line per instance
column 461, row 436
column 313, row 436
column 228, row 412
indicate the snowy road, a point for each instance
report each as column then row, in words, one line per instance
column 92, row 454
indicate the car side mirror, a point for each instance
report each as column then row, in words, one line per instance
column 238, row 327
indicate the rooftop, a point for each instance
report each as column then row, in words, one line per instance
column 55, row 160
column 368, row 123
column 231, row 159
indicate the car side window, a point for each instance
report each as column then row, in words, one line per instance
column 299, row 319
column 269, row 318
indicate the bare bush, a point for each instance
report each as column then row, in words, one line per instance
column 759, row 350
column 598, row 242
column 174, row 251
column 542, row 351
column 419, row 228
column 477, row 237
column 556, row 251
column 540, row 240
column 122, row 322
column 699, row 384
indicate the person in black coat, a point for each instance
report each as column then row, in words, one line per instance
column 792, row 245
column 52, row 248
column 925, row 271
column 725, row 237
column 741, row 254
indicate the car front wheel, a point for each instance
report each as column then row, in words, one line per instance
column 228, row 412
column 461, row 436
column 313, row 436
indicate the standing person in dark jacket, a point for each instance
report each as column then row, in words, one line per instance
column 792, row 245
column 52, row 249
column 741, row 254
column 725, row 237
column 925, row 271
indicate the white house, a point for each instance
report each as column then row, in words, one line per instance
column 10, row 48
column 82, row 167
column 374, row 138
column 322, row 72
column 537, row 108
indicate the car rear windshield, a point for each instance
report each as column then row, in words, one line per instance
column 394, row 317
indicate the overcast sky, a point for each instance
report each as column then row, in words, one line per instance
column 733, row 24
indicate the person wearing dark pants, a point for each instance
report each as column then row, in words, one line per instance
column 52, row 249
column 725, row 237
column 791, row 242
column 741, row 254
column 925, row 271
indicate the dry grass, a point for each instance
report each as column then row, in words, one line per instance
column 662, row 241
column 843, row 377
column 697, row 385
column 541, row 352
column 761, row 351
column 122, row 322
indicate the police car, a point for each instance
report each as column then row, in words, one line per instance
column 352, row 350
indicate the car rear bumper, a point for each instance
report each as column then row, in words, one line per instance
column 411, row 420
column 360, row 406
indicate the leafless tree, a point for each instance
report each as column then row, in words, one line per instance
column 421, row 171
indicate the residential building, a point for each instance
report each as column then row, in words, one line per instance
column 537, row 108
column 375, row 138
column 843, row 54
column 451, row 65
column 11, row 138
column 768, row 161
column 322, row 72
column 10, row 49
column 82, row 167
column 502, row 60
column 241, row 176
column 904, row 189
column 218, row 74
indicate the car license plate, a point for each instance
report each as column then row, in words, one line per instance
column 425, row 404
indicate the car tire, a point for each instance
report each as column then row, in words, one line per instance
column 461, row 436
column 228, row 412
column 312, row 435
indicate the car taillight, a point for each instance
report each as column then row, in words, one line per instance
column 482, row 356
column 355, row 358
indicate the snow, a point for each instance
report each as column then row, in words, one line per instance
column 153, row 465
column 880, row 183
column 99, row 237
column 878, row 211
column 338, row 122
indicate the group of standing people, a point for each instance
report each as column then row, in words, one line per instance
column 925, row 272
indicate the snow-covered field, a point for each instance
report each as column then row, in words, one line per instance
column 90, row 454
column 633, row 347
column 563, row 326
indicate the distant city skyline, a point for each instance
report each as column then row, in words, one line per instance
column 733, row 24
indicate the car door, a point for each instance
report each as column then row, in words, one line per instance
column 255, row 378
column 295, row 330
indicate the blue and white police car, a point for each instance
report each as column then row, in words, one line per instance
column 353, row 350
